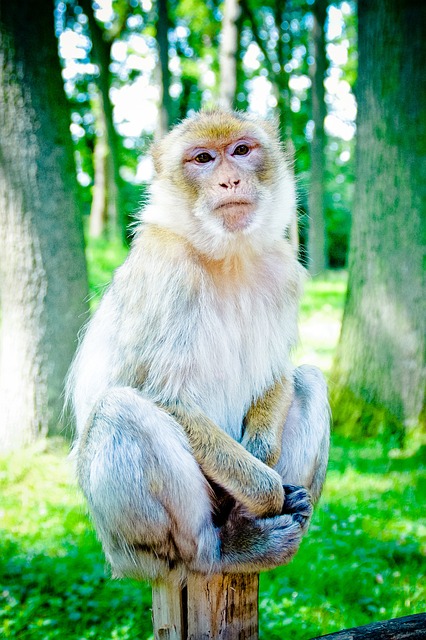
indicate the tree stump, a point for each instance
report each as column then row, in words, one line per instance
column 222, row 607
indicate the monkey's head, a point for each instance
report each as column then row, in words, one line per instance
column 222, row 181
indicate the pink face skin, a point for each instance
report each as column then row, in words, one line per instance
column 226, row 177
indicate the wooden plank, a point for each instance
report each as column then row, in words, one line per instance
column 407, row 628
column 222, row 607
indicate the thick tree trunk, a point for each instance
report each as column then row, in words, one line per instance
column 317, row 237
column 228, row 53
column 380, row 366
column 42, row 267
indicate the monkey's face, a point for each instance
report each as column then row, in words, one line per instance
column 222, row 180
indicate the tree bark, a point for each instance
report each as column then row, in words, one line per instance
column 380, row 365
column 317, row 237
column 228, row 53
column 43, row 279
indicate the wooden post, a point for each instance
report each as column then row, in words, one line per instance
column 222, row 607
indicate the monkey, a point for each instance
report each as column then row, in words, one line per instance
column 199, row 446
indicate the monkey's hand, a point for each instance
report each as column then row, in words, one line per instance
column 298, row 503
column 252, row 544
column 264, row 422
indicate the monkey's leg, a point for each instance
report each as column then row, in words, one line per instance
column 254, row 544
column 148, row 498
column 306, row 434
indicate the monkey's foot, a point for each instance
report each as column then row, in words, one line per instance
column 298, row 504
column 254, row 544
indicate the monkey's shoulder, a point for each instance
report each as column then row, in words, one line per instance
column 159, row 259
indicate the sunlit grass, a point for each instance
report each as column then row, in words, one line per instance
column 103, row 257
column 320, row 319
column 362, row 560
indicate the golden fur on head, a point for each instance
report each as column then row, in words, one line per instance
column 186, row 195
column 213, row 126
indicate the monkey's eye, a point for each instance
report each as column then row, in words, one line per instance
column 241, row 150
column 203, row 158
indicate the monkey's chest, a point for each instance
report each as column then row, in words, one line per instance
column 239, row 347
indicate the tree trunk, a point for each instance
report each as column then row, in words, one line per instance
column 103, row 211
column 380, row 365
column 317, row 237
column 113, row 182
column 276, row 72
column 43, row 278
column 165, row 113
column 228, row 53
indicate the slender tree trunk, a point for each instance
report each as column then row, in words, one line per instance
column 317, row 236
column 277, row 73
column 113, row 182
column 380, row 365
column 43, row 280
column 104, row 194
column 165, row 114
column 228, row 53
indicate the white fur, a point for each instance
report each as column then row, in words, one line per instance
column 221, row 348
column 203, row 229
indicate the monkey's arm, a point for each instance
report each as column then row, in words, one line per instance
column 264, row 422
column 227, row 463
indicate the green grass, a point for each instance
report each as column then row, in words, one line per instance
column 103, row 256
column 320, row 318
column 363, row 559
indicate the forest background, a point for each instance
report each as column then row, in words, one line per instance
column 75, row 131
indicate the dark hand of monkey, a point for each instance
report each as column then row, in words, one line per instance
column 298, row 503
column 223, row 504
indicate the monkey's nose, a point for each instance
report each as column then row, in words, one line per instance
column 230, row 184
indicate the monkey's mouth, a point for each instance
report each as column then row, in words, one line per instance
column 236, row 214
